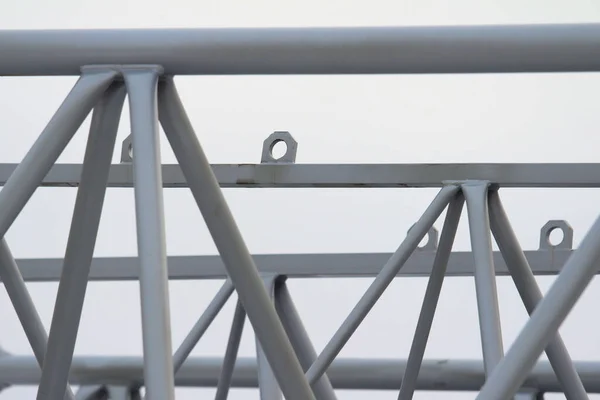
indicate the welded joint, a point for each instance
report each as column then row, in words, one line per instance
column 551, row 226
column 122, row 69
column 271, row 281
column 433, row 235
column 474, row 183
column 470, row 182
column 291, row 148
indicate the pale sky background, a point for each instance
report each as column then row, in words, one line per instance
column 336, row 119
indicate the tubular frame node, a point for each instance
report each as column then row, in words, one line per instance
column 142, row 64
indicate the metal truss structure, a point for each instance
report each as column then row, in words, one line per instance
column 141, row 64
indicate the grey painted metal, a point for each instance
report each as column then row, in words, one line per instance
column 24, row 307
column 37, row 162
column 578, row 175
column 531, row 295
column 103, row 392
column 81, row 243
column 291, row 148
column 286, row 309
column 381, row 282
column 444, row 49
column 228, row 239
column 267, row 381
column 127, row 150
column 156, row 322
column 430, row 300
column 230, row 358
column 26, row 177
column 345, row 373
column 549, row 227
column 545, row 319
column 529, row 395
column 123, row 393
column 485, row 280
column 203, row 323
column 542, row 262
column 140, row 56
column 91, row 393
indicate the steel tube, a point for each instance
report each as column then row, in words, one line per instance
column 345, row 373
column 154, row 291
column 545, row 319
column 24, row 308
column 461, row 263
column 203, row 323
column 459, row 49
column 430, row 300
column 353, row 176
column 28, row 175
column 485, row 278
column 286, row 309
column 267, row 382
column 530, row 293
column 230, row 358
column 81, row 243
column 232, row 248
column 381, row 282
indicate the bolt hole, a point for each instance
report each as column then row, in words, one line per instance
column 278, row 149
column 130, row 150
column 555, row 236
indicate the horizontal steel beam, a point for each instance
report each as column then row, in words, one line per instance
column 349, row 175
column 543, row 262
column 458, row 49
column 373, row 374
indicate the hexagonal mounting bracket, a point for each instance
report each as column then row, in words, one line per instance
column 127, row 150
column 567, row 230
column 272, row 140
column 432, row 239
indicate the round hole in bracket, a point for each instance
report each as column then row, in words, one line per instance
column 555, row 236
column 278, row 149
column 424, row 242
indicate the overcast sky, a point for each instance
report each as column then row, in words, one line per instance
column 347, row 119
